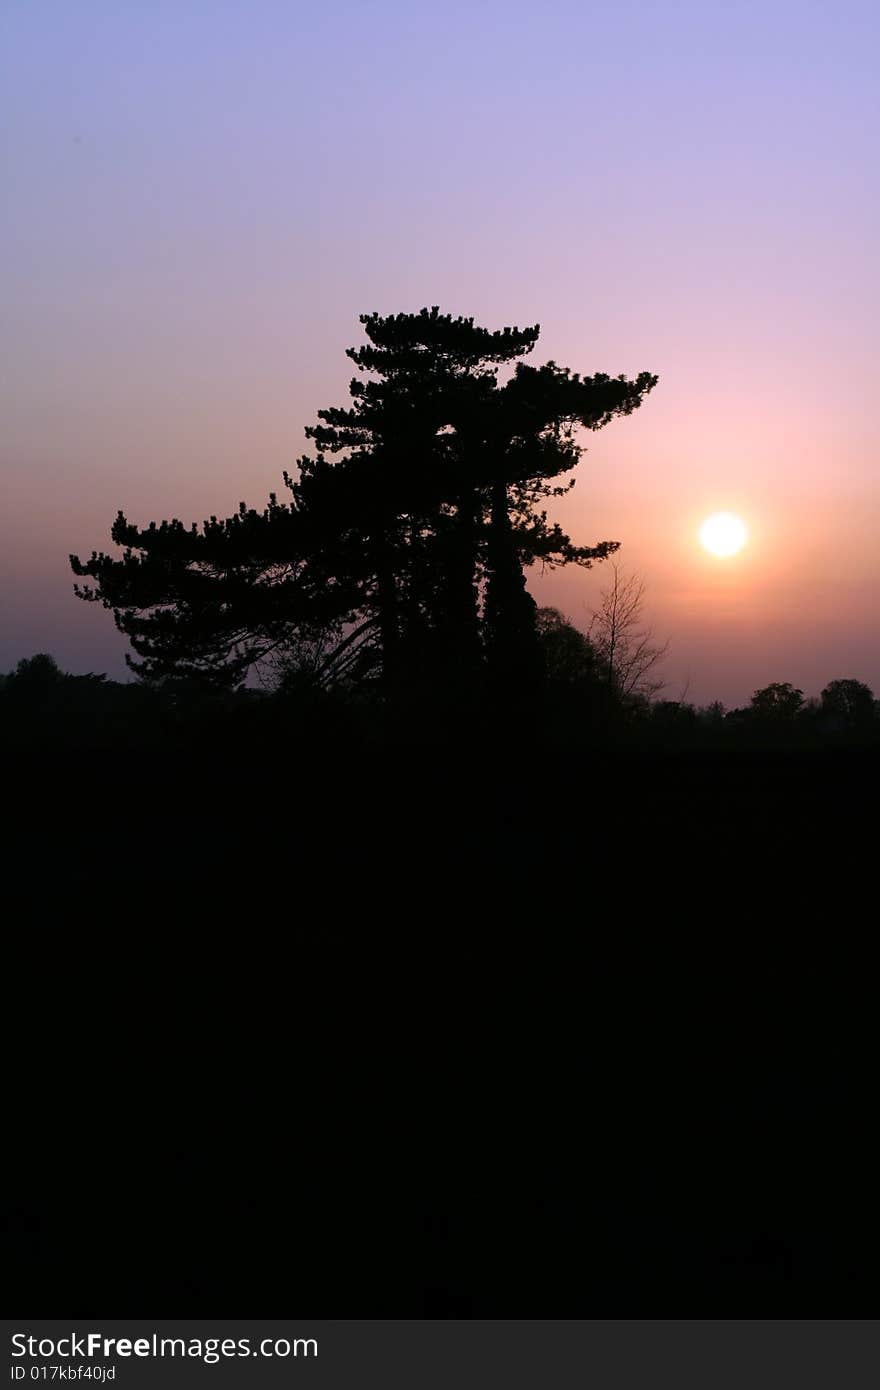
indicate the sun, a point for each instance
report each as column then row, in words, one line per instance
column 723, row 534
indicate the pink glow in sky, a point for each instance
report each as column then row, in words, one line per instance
column 202, row 197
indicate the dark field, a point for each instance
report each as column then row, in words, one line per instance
column 331, row 1026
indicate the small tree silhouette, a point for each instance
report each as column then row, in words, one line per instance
column 779, row 701
column 626, row 647
column 850, row 702
column 38, row 673
column 569, row 656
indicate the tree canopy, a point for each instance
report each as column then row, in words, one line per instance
column 400, row 553
column 779, row 701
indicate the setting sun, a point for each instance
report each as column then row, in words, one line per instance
column 723, row 534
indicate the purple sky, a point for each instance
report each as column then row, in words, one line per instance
column 202, row 197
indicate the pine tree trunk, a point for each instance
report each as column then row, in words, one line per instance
column 462, row 597
column 511, row 636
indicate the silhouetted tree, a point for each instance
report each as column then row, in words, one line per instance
column 568, row 655
column 850, row 702
column 626, row 647
column 38, row 673
column 432, row 500
column 778, row 702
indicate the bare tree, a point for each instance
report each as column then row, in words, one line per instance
column 628, row 651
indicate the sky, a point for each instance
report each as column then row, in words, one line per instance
column 203, row 195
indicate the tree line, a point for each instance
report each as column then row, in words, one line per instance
column 582, row 703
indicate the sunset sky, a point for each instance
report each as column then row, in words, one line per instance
column 201, row 198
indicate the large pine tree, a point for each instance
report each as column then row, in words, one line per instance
column 407, row 534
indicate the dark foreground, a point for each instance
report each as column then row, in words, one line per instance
column 303, row 1030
